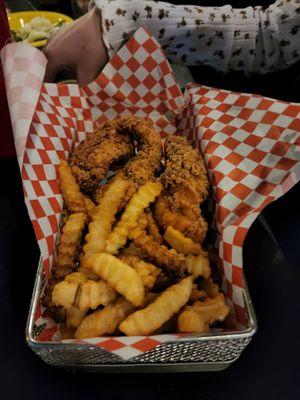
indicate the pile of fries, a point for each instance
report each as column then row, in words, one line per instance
column 109, row 278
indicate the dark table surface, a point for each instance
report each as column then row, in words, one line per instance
column 267, row 369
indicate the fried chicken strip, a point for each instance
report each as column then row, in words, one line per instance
column 111, row 145
column 98, row 153
column 143, row 167
column 165, row 216
column 186, row 186
column 185, row 177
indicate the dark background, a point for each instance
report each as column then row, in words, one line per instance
column 267, row 369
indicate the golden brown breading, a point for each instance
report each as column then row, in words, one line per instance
column 144, row 166
column 112, row 144
column 165, row 216
column 186, row 186
column 100, row 151
column 185, row 176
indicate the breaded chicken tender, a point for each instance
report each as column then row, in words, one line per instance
column 144, row 166
column 186, row 186
column 98, row 153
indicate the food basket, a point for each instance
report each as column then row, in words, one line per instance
column 250, row 146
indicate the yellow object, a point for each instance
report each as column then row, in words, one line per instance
column 198, row 266
column 168, row 303
column 181, row 243
column 104, row 321
column 69, row 188
column 129, row 219
column 103, row 217
column 119, row 276
column 17, row 20
column 198, row 317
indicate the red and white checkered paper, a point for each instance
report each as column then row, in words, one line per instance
column 251, row 146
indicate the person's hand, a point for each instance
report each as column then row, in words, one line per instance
column 77, row 50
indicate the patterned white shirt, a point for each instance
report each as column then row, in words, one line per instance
column 249, row 39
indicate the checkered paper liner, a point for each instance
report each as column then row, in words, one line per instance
column 251, row 146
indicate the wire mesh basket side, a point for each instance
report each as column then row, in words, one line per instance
column 209, row 351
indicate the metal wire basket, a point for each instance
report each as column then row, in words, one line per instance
column 207, row 352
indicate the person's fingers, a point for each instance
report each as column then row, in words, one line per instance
column 93, row 50
column 52, row 68
column 62, row 50
column 78, row 51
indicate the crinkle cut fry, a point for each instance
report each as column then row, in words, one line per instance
column 169, row 260
column 144, row 322
column 129, row 219
column 119, row 276
column 70, row 189
column 120, row 175
column 181, row 243
column 165, row 216
column 74, row 317
column 83, row 293
column 211, row 288
column 104, row 214
column 198, row 265
column 153, row 228
column 104, row 321
column 90, row 206
column 147, row 272
column 198, row 317
column 69, row 244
